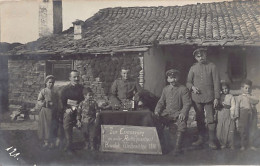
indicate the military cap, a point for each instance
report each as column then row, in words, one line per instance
column 49, row 77
column 199, row 50
column 172, row 72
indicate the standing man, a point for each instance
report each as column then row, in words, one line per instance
column 71, row 96
column 203, row 81
column 124, row 88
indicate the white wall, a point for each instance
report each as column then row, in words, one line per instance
column 154, row 71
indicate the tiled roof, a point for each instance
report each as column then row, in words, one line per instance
column 222, row 23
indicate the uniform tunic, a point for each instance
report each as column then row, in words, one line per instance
column 206, row 78
column 174, row 100
column 123, row 90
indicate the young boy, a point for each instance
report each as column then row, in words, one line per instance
column 87, row 113
column 173, row 107
column 247, row 121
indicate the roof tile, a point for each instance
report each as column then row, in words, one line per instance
column 135, row 26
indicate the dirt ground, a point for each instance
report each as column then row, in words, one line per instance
column 27, row 144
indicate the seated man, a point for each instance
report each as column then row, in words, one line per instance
column 173, row 108
column 123, row 89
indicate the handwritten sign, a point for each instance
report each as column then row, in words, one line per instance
column 130, row 139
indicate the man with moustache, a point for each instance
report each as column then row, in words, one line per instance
column 71, row 96
column 203, row 81
column 173, row 107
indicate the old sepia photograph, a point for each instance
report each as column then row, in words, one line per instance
column 129, row 82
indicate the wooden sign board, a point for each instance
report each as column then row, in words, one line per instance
column 130, row 139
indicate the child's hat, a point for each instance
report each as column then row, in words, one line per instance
column 49, row 77
column 199, row 50
column 172, row 72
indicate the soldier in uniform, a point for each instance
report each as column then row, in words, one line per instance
column 173, row 108
column 203, row 81
column 124, row 88
column 71, row 96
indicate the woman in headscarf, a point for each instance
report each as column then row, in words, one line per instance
column 47, row 102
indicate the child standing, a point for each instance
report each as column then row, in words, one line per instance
column 47, row 102
column 173, row 108
column 226, row 118
column 87, row 113
column 247, row 121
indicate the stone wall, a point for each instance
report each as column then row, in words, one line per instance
column 98, row 73
column 26, row 78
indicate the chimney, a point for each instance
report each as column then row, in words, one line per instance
column 50, row 17
column 78, row 29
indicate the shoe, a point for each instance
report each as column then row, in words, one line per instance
column 178, row 146
column 45, row 145
column 212, row 144
column 86, row 147
column 70, row 152
column 242, row 148
column 253, row 148
column 91, row 146
column 198, row 142
column 223, row 147
column 51, row 146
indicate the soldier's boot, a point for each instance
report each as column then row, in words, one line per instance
column 243, row 142
column 212, row 139
column 178, row 147
column 86, row 147
column 92, row 145
column 232, row 141
column 199, row 142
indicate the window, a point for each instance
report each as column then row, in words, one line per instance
column 60, row 69
column 236, row 67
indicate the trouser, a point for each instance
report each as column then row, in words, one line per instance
column 68, row 131
column 172, row 123
column 69, row 122
column 247, row 126
column 200, row 117
column 90, row 130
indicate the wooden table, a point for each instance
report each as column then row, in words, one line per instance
column 134, row 118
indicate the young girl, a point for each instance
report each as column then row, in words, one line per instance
column 226, row 118
column 87, row 113
column 47, row 102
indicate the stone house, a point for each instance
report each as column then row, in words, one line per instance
column 149, row 40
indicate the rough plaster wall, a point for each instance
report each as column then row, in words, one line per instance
column 154, row 71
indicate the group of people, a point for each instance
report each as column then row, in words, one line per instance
column 74, row 105
column 213, row 104
column 59, row 113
